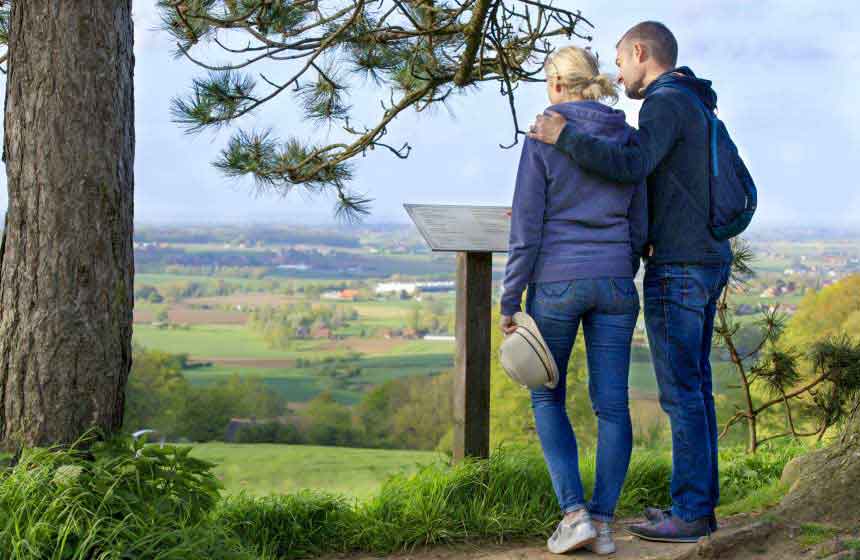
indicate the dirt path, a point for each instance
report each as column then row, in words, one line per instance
column 629, row 548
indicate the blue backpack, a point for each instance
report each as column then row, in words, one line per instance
column 733, row 196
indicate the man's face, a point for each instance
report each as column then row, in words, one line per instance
column 631, row 71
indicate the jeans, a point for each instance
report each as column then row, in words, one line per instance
column 608, row 309
column 680, row 304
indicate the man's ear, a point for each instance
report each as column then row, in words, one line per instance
column 640, row 53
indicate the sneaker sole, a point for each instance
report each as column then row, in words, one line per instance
column 601, row 552
column 575, row 546
column 687, row 540
column 653, row 519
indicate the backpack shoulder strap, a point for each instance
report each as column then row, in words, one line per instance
column 711, row 118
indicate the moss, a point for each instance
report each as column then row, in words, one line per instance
column 812, row 534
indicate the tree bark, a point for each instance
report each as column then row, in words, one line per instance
column 66, row 268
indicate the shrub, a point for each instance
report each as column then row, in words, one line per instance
column 118, row 500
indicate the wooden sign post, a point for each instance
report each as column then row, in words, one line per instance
column 474, row 233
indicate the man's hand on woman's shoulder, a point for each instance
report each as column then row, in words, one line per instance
column 547, row 127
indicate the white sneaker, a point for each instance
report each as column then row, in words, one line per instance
column 603, row 544
column 573, row 534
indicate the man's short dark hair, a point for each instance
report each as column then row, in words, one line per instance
column 664, row 47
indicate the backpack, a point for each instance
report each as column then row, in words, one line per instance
column 733, row 194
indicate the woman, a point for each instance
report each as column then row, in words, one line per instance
column 576, row 240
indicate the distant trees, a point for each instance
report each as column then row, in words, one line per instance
column 160, row 397
column 280, row 325
column 832, row 311
column 148, row 293
column 408, row 413
column 431, row 315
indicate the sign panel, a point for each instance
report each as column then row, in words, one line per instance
column 448, row 227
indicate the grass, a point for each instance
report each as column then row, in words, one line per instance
column 756, row 501
column 219, row 341
column 135, row 502
column 263, row 469
column 509, row 496
column 302, row 384
column 643, row 380
column 812, row 534
column 294, row 388
column 160, row 279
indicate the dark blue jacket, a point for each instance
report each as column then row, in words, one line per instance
column 568, row 223
column 673, row 153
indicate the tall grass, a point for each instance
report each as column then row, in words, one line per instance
column 118, row 501
column 124, row 500
column 507, row 496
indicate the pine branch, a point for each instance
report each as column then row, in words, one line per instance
column 421, row 51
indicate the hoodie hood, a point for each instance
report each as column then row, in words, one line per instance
column 595, row 118
column 685, row 77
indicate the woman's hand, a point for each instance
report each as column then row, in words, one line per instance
column 547, row 127
column 507, row 324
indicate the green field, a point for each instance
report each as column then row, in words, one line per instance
column 161, row 279
column 261, row 469
column 302, row 384
column 218, row 341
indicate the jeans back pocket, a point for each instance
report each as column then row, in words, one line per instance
column 625, row 297
column 554, row 290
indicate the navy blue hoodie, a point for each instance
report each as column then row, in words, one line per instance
column 568, row 223
column 672, row 152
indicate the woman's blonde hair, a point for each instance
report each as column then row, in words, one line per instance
column 577, row 70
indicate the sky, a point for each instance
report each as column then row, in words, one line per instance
column 785, row 72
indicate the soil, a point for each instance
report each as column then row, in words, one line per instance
column 253, row 299
column 784, row 542
column 184, row 315
column 628, row 548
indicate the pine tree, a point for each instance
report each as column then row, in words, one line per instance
column 66, row 260
column 418, row 53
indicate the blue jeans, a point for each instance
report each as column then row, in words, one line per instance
column 680, row 304
column 608, row 309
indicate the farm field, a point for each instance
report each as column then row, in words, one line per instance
column 221, row 350
column 262, row 469
column 220, row 345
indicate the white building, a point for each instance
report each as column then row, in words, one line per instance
column 396, row 287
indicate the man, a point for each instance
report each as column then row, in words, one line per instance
column 686, row 267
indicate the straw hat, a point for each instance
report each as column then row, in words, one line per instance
column 525, row 356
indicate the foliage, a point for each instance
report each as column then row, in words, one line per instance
column 148, row 293
column 831, row 311
column 118, row 499
column 124, row 499
column 508, row 496
column 280, row 325
column 330, row 423
column 270, row 468
column 417, row 53
column 159, row 397
column 813, row 386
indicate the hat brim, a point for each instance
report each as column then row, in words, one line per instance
column 524, row 320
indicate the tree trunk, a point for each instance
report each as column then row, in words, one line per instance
column 66, row 268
